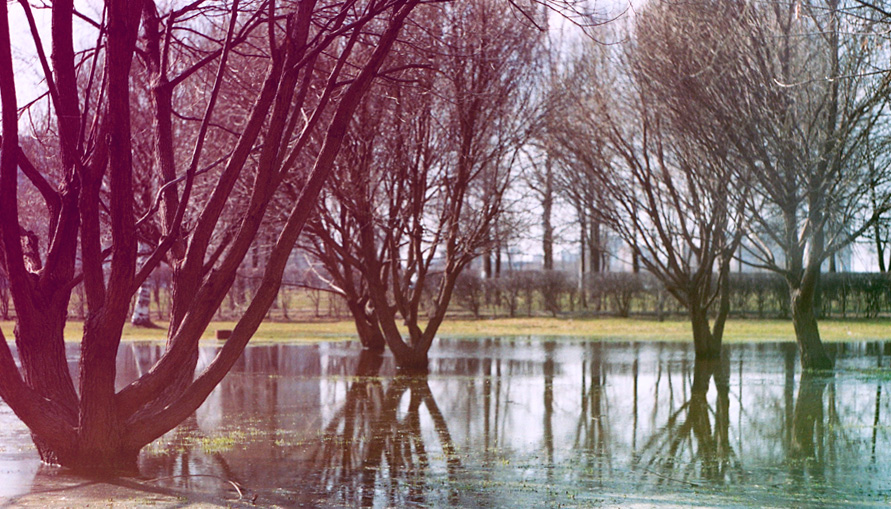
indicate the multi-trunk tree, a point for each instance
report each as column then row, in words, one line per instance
column 421, row 182
column 320, row 59
column 670, row 198
column 798, row 93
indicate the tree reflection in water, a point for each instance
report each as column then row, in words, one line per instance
column 592, row 430
column 178, row 464
column 538, row 423
column 688, row 448
column 374, row 446
column 809, row 428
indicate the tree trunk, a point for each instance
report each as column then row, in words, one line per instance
column 366, row 327
column 547, row 202
column 141, row 316
column 412, row 360
column 813, row 355
column 41, row 348
column 706, row 344
column 594, row 248
column 703, row 369
column 4, row 295
column 818, row 296
column 582, row 283
column 498, row 260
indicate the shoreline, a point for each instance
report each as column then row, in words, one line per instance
column 596, row 329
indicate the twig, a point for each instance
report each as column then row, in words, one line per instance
column 657, row 474
column 233, row 483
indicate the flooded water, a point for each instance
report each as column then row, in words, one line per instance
column 530, row 422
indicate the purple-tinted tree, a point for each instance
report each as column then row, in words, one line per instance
column 319, row 61
column 671, row 198
column 422, row 178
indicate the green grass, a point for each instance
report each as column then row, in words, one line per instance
column 626, row 329
column 618, row 329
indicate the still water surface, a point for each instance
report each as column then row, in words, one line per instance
column 521, row 422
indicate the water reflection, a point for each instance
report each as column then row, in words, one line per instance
column 809, row 436
column 524, row 422
column 695, row 443
column 374, row 446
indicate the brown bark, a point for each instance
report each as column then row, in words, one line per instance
column 40, row 316
column 99, row 429
column 67, row 101
column 707, row 338
column 52, row 427
column 547, row 203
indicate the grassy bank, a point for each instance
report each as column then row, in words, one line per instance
column 594, row 328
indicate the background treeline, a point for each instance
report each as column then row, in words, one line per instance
column 524, row 293
column 624, row 294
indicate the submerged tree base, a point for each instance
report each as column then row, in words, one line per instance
column 810, row 347
column 413, row 366
column 818, row 363
column 94, row 467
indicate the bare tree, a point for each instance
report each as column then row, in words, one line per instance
column 421, row 181
column 875, row 156
column 669, row 198
column 585, row 197
column 321, row 59
column 799, row 93
column 539, row 177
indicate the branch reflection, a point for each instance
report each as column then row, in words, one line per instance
column 809, row 435
column 380, row 443
column 694, row 444
column 592, row 430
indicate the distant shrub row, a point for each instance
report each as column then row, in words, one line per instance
column 536, row 293
column 761, row 295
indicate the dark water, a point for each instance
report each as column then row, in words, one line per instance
column 522, row 423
